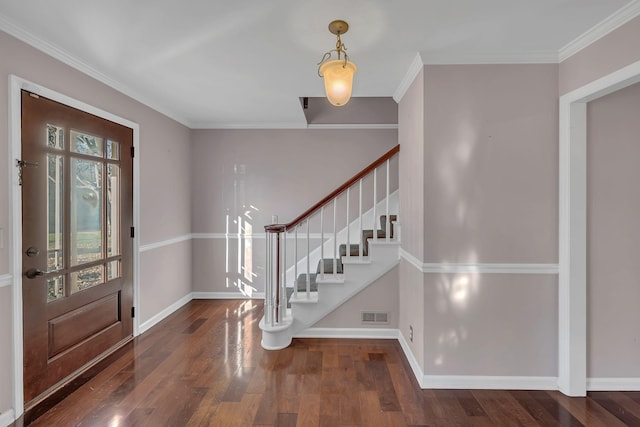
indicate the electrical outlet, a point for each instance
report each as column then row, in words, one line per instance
column 411, row 333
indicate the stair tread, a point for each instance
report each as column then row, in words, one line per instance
column 302, row 298
column 356, row 260
column 330, row 278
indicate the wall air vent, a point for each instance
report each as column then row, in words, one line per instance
column 374, row 318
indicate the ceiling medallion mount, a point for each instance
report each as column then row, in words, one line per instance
column 337, row 73
column 338, row 27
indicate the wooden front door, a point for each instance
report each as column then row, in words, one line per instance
column 77, row 251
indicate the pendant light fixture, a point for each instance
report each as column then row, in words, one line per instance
column 337, row 73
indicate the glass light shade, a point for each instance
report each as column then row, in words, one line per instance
column 338, row 80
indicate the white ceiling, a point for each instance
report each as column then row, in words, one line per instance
column 245, row 63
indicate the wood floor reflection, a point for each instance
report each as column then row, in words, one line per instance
column 203, row 366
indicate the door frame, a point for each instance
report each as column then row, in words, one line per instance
column 16, row 84
column 572, row 226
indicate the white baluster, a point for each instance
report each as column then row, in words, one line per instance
column 335, row 239
column 295, row 263
column 360, row 221
column 348, row 252
column 283, row 282
column 322, row 243
column 308, row 262
column 388, row 222
column 374, row 227
column 267, row 283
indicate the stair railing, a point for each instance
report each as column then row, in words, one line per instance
column 276, row 235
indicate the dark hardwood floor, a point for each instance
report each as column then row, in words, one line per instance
column 204, row 366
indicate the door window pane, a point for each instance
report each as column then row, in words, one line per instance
column 55, row 137
column 55, row 212
column 113, row 150
column 86, row 211
column 55, row 288
column 87, row 278
column 113, row 210
column 85, row 143
column 113, row 270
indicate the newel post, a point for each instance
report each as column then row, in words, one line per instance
column 275, row 293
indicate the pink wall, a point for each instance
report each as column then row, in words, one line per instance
column 491, row 163
column 490, row 324
column 613, row 151
column 487, row 184
column 380, row 296
column 254, row 174
column 612, row 52
column 411, row 137
column 164, row 175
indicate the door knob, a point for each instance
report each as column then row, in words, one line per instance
column 32, row 273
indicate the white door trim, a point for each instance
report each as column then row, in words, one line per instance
column 16, row 84
column 572, row 238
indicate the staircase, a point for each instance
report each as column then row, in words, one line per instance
column 294, row 302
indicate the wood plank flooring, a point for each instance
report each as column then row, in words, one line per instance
column 203, row 366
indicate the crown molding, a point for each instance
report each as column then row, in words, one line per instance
column 471, row 58
column 73, row 62
column 275, row 125
column 354, row 126
column 614, row 21
column 409, row 77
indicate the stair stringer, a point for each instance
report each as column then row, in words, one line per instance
column 383, row 256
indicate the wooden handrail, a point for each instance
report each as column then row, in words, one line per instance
column 335, row 193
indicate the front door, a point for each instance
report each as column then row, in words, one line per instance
column 77, row 210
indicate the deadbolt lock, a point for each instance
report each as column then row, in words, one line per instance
column 32, row 252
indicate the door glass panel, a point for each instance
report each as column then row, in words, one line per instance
column 85, row 143
column 55, row 288
column 113, row 210
column 113, row 270
column 55, row 212
column 55, row 137
column 87, row 278
column 86, row 211
column 113, row 150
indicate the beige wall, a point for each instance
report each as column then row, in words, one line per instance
column 491, row 163
column 489, row 195
column 164, row 180
column 613, row 152
column 617, row 49
column 380, row 296
column 412, row 205
column 254, row 174
column 490, row 324
column 411, row 138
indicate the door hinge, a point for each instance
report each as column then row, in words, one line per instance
column 133, row 312
column 133, row 232
column 133, row 152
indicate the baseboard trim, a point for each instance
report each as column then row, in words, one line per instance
column 145, row 326
column 226, row 295
column 7, row 417
column 6, row 280
column 489, row 382
column 411, row 358
column 613, row 384
column 364, row 333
